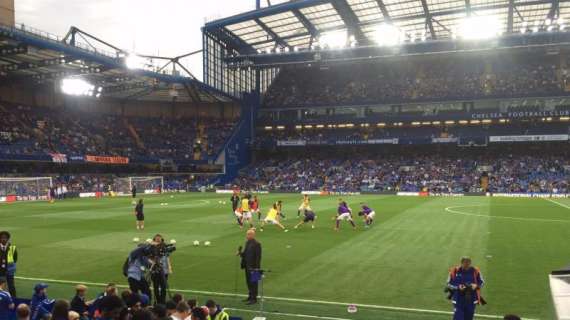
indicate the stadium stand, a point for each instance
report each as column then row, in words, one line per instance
column 512, row 168
column 42, row 131
column 413, row 80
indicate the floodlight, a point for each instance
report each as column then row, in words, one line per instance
column 387, row 35
column 77, row 87
column 480, row 27
column 133, row 61
column 334, row 39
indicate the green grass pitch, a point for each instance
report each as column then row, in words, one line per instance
column 402, row 261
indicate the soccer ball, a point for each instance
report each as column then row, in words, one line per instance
column 196, row 243
column 172, row 241
column 136, row 239
column 207, row 243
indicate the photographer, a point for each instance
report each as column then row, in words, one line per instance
column 464, row 285
column 160, row 269
column 134, row 269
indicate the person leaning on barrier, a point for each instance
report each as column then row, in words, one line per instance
column 464, row 285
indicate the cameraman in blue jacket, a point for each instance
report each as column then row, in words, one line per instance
column 464, row 284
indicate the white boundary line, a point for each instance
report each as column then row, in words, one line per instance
column 296, row 315
column 335, row 303
column 558, row 203
column 463, row 213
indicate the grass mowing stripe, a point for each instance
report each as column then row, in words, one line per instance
column 370, row 306
column 558, row 203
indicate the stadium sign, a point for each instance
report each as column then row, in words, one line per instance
column 292, row 143
column 109, row 160
column 520, row 114
column 529, row 138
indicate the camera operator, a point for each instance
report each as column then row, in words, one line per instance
column 464, row 286
column 161, row 268
column 134, row 269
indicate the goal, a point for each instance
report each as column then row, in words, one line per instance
column 24, row 188
column 148, row 184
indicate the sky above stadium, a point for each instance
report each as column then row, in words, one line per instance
column 158, row 27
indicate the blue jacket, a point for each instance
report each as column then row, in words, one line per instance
column 5, row 303
column 138, row 263
column 457, row 277
column 40, row 306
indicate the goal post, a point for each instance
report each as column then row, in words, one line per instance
column 25, row 188
column 144, row 184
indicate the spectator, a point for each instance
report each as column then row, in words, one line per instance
column 60, row 310
column 182, row 311
column 78, row 303
column 23, row 312
column 6, row 302
column 41, row 305
column 215, row 312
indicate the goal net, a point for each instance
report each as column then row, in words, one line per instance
column 149, row 184
column 24, row 188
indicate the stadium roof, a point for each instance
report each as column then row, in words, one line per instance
column 299, row 23
column 35, row 57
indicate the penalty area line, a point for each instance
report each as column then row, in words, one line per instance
column 298, row 300
column 557, row 203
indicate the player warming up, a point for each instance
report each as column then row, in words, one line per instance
column 305, row 205
column 367, row 214
column 272, row 217
column 309, row 216
column 236, row 208
column 254, row 206
column 280, row 209
column 139, row 213
column 245, row 211
column 344, row 213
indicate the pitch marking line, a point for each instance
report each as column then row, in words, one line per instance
column 336, row 303
column 296, row 315
column 558, row 203
column 463, row 213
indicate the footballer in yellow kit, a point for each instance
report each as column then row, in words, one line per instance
column 305, row 205
column 245, row 210
column 272, row 217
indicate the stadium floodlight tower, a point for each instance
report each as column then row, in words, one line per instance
column 25, row 188
column 146, row 184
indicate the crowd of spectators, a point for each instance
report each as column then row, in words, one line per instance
column 349, row 170
column 41, row 131
column 112, row 305
column 417, row 80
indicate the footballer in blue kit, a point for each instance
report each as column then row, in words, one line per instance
column 343, row 213
column 367, row 214
column 308, row 216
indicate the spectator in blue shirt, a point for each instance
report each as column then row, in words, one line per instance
column 41, row 306
column 6, row 302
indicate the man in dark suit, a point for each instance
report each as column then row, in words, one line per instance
column 251, row 263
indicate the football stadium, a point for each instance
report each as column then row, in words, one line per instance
column 311, row 159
